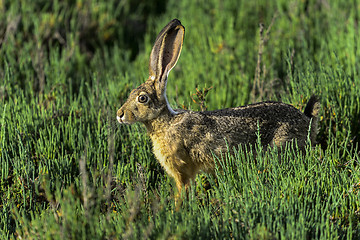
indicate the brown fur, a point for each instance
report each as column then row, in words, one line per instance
column 184, row 141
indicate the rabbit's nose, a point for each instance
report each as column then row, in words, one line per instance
column 119, row 115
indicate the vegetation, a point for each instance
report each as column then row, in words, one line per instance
column 68, row 171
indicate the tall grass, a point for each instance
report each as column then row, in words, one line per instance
column 68, row 171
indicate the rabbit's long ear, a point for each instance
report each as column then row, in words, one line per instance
column 165, row 53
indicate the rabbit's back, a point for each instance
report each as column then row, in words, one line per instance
column 221, row 130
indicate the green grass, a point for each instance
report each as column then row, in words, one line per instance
column 68, row 171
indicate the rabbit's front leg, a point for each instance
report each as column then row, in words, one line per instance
column 183, row 173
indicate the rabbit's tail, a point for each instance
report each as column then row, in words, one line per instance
column 312, row 107
column 312, row 110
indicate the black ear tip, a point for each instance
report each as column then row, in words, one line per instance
column 174, row 23
column 177, row 21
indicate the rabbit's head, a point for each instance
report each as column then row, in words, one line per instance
column 148, row 101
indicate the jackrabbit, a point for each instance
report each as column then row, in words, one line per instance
column 184, row 141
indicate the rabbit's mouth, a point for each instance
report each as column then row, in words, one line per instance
column 119, row 119
column 125, row 120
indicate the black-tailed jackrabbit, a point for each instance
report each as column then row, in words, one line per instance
column 184, row 141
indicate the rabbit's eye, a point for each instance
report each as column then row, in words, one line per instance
column 143, row 99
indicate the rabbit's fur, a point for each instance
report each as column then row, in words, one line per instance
column 184, row 141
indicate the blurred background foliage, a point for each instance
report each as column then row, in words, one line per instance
column 67, row 66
